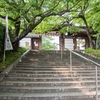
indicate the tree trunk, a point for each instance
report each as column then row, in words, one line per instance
column 17, row 29
column 15, row 46
column 88, row 30
column 90, row 40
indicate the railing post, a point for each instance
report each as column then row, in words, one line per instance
column 96, row 80
column 70, row 61
column 61, row 53
column 54, row 46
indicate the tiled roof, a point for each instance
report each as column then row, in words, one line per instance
column 30, row 35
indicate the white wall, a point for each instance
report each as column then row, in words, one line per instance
column 69, row 44
column 25, row 42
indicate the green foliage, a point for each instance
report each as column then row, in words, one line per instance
column 93, row 52
column 47, row 43
column 31, row 11
column 48, row 24
column 71, row 29
column 2, row 32
column 93, row 14
column 99, row 42
column 11, row 57
column 42, row 16
column 89, row 50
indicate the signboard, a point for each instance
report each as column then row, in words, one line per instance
column 8, row 45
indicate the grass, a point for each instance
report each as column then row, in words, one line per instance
column 93, row 52
column 11, row 57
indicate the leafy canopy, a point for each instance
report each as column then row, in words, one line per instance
column 47, row 44
column 41, row 16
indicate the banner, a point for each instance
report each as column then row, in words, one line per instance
column 8, row 45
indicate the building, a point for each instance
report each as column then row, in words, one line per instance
column 31, row 41
column 77, row 41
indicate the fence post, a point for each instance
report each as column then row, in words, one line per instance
column 96, row 80
column 70, row 61
column 54, row 46
column 61, row 53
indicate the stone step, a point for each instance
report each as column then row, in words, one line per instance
column 53, row 75
column 29, row 89
column 56, row 60
column 78, row 71
column 36, row 68
column 36, row 65
column 48, row 96
column 50, row 78
column 52, row 72
column 40, row 69
column 52, row 55
column 49, row 83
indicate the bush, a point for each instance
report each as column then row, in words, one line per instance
column 89, row 50
column 2, row 32
column 11, row 57
column 93, row 52
column 99, row 42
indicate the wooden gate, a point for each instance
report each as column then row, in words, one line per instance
column 35, row 43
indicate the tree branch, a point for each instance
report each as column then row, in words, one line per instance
column 61, row 26
column 23, row 1
column 27, row 30
column 10, row 18
column 75, row 4
column 41, row 3
column 61, row 12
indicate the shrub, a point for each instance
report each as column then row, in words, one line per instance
column 2, row 32
column 99, row 42
column 11, row 57
column 89, row 50
column 93, row 51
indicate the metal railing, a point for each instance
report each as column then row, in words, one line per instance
column 95, row 63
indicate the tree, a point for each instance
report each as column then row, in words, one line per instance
column 47, row 44
column 84, row 15
column 87, row 16
column 25, row 15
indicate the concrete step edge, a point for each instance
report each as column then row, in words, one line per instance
column 56, row 77
column 48, row 94
column 49, row 87
column 54, row 82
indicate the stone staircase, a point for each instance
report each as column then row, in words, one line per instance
column 43, row 75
